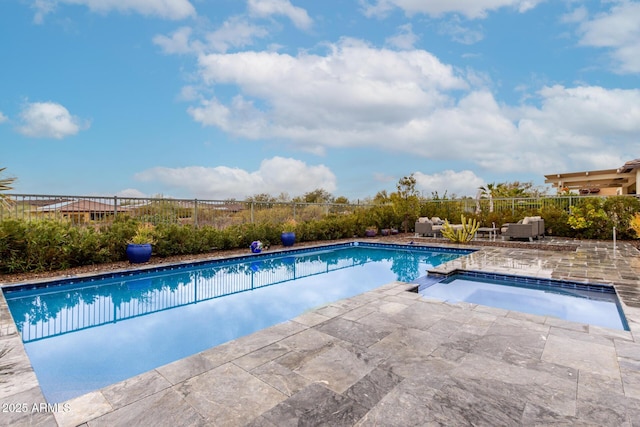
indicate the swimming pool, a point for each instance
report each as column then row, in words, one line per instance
column 592, row 304
column 82, row 335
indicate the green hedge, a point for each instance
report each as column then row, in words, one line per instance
column 46, row 245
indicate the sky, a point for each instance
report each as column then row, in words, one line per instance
column 219, row 99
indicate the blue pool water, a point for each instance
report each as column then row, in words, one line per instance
column 84, row 335
column 584, row 303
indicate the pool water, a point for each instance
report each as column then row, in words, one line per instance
column 83, row 335
column 584, row 303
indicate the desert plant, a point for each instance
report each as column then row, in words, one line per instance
column 289, row 226
column 463, row 234
column 144, row 234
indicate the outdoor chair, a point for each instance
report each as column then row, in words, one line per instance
column 528, row 228
column 432, row 226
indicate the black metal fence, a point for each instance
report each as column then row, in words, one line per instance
column 222, row 213
column 219, row 213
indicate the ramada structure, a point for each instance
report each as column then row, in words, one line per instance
column 608, row 182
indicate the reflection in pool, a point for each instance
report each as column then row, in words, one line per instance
column 84, row 336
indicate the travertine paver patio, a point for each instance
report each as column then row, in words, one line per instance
column 386, row 357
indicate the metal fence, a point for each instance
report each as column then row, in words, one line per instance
column 218, row 213
column 90, row 210
column 514, row 206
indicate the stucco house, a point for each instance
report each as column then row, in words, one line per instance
column 608, row 182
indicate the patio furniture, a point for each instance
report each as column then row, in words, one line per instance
column 432, row 226
column 491, row 231
column 529, row 227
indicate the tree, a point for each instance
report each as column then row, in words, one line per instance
column 490, row 191
column 406, row 201
column 341, row 200
column 262, row 198
column 318, row 195
column 381, row 198
column 6, row 184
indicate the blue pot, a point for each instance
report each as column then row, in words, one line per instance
column 288, row 238
column 138, row 253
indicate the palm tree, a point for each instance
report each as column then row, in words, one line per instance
column 488, row 191
column 5, row 185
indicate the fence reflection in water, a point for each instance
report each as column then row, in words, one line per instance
column 67, row 309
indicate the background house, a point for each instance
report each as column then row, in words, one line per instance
column 79, row 211
column 608, row 182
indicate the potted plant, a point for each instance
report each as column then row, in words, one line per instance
column 139, row 247
column 371, row 231
column 288, row 235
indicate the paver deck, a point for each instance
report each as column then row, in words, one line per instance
column 387, row 357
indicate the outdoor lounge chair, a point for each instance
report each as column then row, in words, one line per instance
column 528, row 228
column 431, row 227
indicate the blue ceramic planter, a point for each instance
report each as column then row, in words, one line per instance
column 288, row 238
column 138, row 253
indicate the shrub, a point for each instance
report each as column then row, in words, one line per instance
column 116, row 236
column 13, row 246
column 594, row 218
column 635, row 224
column 174, row 239
column 620, row 212
column 588, row 218
column 556, row 222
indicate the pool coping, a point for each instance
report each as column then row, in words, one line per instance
column 24, row 384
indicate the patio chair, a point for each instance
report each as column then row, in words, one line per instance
column 528, row 228
column 425, row 227
column 431, row 226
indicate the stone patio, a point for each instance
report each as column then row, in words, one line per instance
column 387, row 357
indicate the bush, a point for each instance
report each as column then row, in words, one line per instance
column 13, row 246
column 172, row 239
column 556, row 222
column 620, row 212
column 43, row 245
column 115, row 237
column 594, row 218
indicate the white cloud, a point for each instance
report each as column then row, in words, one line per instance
column 166, row 9
column 267, row 8
column 42, row 8
column 409, row 102
column 460, row 32
column 618, row 30
column 579, row 14
column 222, row 182
column 178, row 42
column 49, row 120
column 3, row 118
column 463, row 183
column 475, row 9
column 234, row 33
column 404, row 39
column 342, row 99
column 131, row 192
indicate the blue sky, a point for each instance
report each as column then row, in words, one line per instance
column 220, row 99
